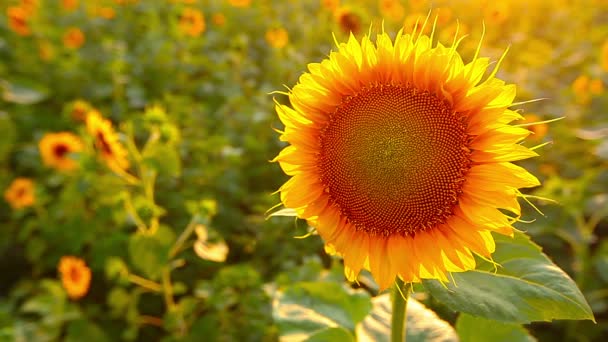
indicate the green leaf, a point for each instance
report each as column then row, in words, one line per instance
column 304, row 309
column 23, row 93
column 164, row 158
column 477, row 329
column 83, row 330
column 8, row 129
column 422, row 324
column 525, row 287
column 149, row 253
column 331, row 334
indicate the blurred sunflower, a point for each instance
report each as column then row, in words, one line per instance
column 218, row 19
column 604, row 56
column 106, row 142
column 73, row 38
column 497, row 12
column 69, row 5
column 55, row 149
column 415, row 23
column 20, row 193
column 240, row 3
column 348, row 20
column 79, row 109
column 539, row 130
column 277, row 37
column 584, row 87
column 75, row 276
column 392, row 9
column 191, row 22
column 330, row 5
column 46, row 52
column 18, row 19
column 400, row 157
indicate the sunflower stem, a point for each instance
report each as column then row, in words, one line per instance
column 401, row 293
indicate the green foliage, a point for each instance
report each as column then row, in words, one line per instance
column 525, row 286
column 471, row 329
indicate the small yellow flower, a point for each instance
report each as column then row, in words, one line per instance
column 75, row 276
column 69, row 5
column 55, row 149
column 277, row 37
column 46, row 52
column 596, row 86
column 29, row 5
column 219, row 19
column 604, row 56
column 330, row 5
column 105, row 12
column 73, row 38
column 497, row 12
column 392, row 9
column 240, row 3
column 106, row 142
column 20, row 193
column 538, row 130
column 79, row 109
column 18, row 19
column 192, row 22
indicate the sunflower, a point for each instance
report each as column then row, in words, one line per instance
column 21, row 193
column 73, row 38
column 75, row 276
column 400, row 157
column 106, row 142
column 277, row 37
column 18, row 20
column 55, row 149
column 192, row 22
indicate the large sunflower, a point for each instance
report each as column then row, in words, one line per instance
column 106, row 142
column 400, row 156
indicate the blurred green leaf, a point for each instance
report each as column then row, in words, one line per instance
column 149, row 253
column 8, row 129
column 303, row 309
column 24, row 93
column 83, row 330
column 477, row 329
column 422, row 323
column 525, row 287
column 164, row 158
column 331, row 334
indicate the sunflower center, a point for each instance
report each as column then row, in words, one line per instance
column 393, row 159
column 60, row 150
column 103, row 144
column 75, row 274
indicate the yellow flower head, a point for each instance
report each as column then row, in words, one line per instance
column 75, row 276
column 192, row 22
column 79, row 109
column 400, row 156
column 219, row 19
column 538, row 130
column 69, row 5
column 604, row 56
column 497, row 12
column 348, row 20
column 73, row 38
column 277, row 37
column 55, row 149
column 392, row 9
column 21, row 193
column 106, row 142
column 18, row 19
column 240, row 3
column 330, row 5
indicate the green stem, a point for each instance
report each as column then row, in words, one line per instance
column 401, row 293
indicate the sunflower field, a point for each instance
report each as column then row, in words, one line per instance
column 312, row 170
